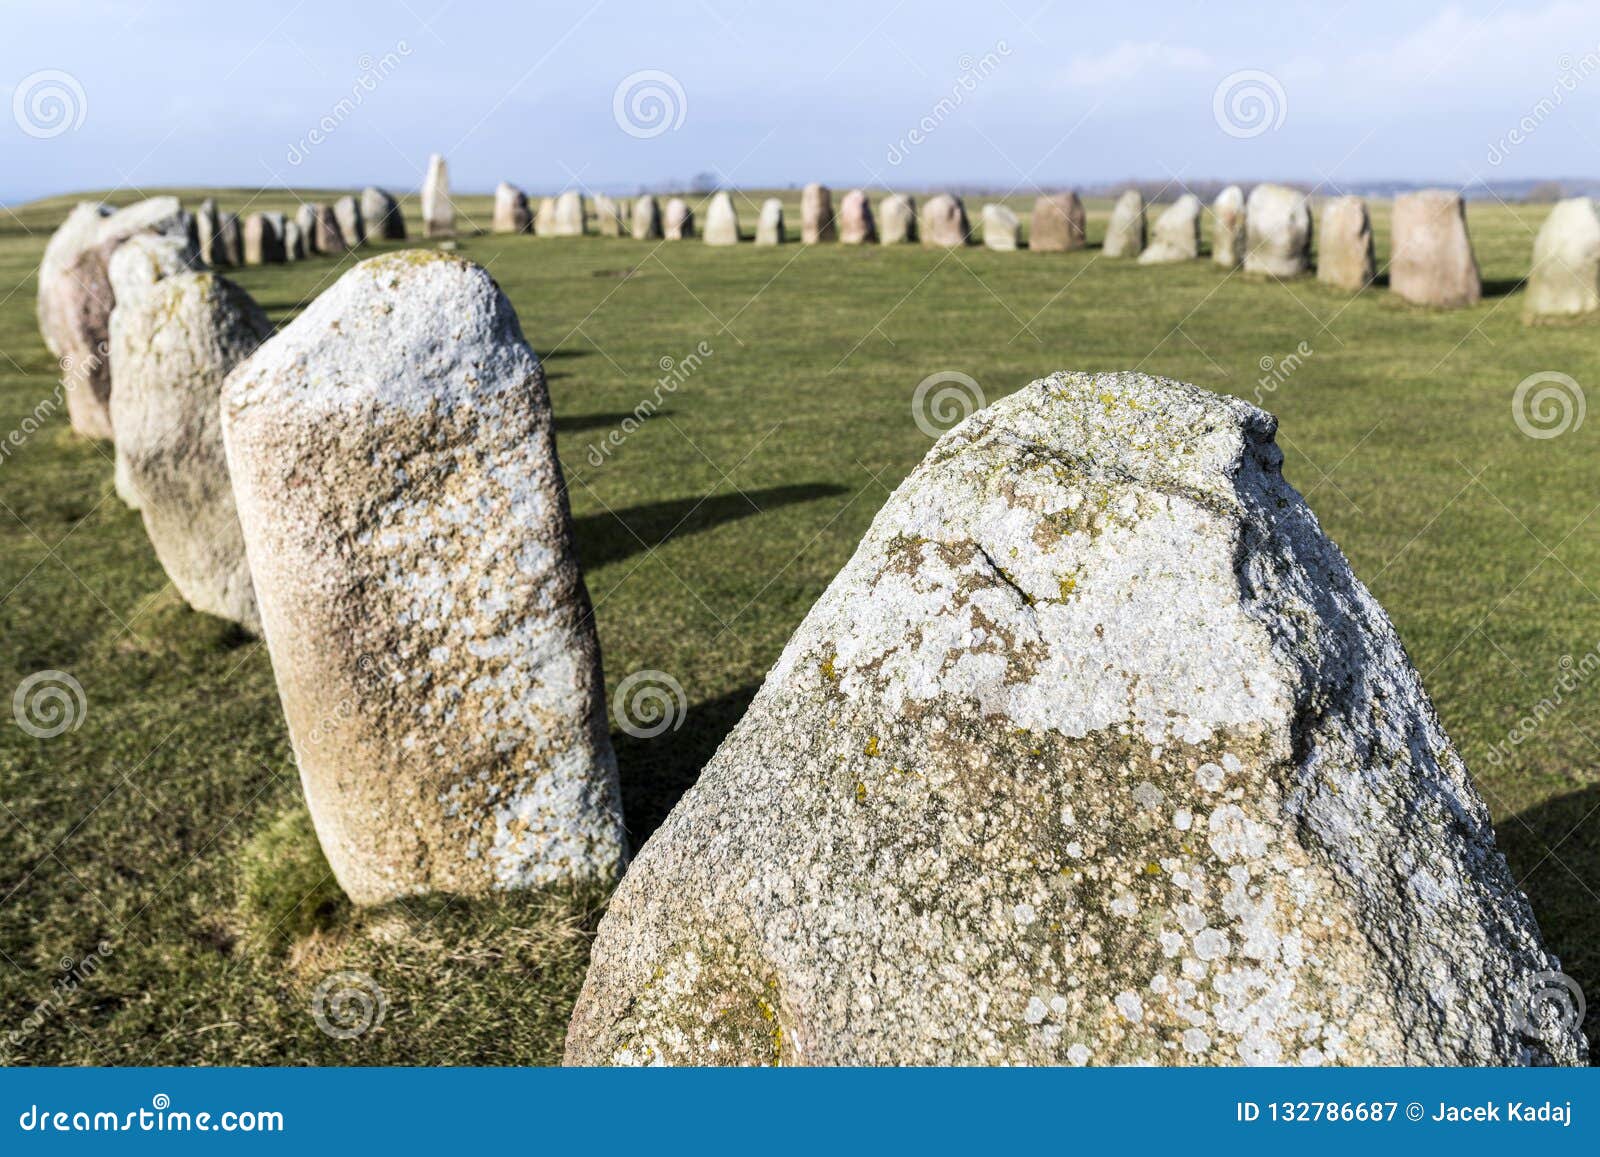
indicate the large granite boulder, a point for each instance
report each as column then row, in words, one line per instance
column 1125, row 231
column 393, row 455
column 1565, row 279
column 1001, row 229
column 438, row 211
column 1095, row 752
column 897, row 219
column 1344, row 244
column 722, row 221
column 646, row 219
column 769, row 226
column 382, row 215
column 347, row 211
column 1228, row 232
column 1176, row 236
column 511, row 212
column 1277, row 231
column 678, row 223
column 856, row 226
column 816, row 214
column 1058, row 223
column 1430, row 255
column 943, row 224
column 173, row 345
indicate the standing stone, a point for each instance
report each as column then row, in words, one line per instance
column 347, row 211
column 569, row 220
column 1277, row 231
column 608, row 216
column 438, row 211
column 263, row 239
column 136, row 266
column 1344, row 245
column 232, row 242
column 679, row 224
column 1125, row 231
column 897, row 219
column 1228, row 237
column 382, row 215
column 511, row 213
column 544, row 217
column 72, row 240
column 1176, row 236
column 208, row 231
column 646, row 219
column 1096, row 752
column 173, row 345
column 856, row 226
column 943, row 222
column 722, row 221
column 306, row 218
column 816, row 214
column 1430, row 255
column 1565, row 279
column 326, row 236
column 769, row 227
column 1058, row 223
column 366, row 443
column 294, row 242
column 1001, row 229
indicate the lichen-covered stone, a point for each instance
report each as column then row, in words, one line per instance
column 1058, row 223
column 511, row 212
column 943, row 223
column 438, row 210
column 722, row 221
column 393, row 457
column 173, row 344
column 347, row 212
column 646, row 219
column 1001, row 229
column 1095, row 752
column 897, row 219
column 1277, row 231
column 382, row 215
column 816, row 215
column 678, row 221
column 769, row 226
column 1125, row 231
column 1176, row 236
column 1345, row 258
column 1430, row 255
column 1228, row 233
column 856, row 225
column 1565, row 279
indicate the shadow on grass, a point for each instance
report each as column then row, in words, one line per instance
column 610, row 537
column 658, row 770
column 1554, row 851
column 1503, row 287
column 576, row 423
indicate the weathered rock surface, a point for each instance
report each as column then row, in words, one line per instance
column 1565, row 279
column 1176, row 236
column 511, row 212
column 816, row 214
column 1277, row 231
column 1344, row 248
column 1058, row 223
column 569, row 220
column 1001, row 228
column 438, row 211
column 1228, row 230
column 1095, row 752
column 1125, row 231
column 679, row 220
column 1430, row 255
column 646, row 219
column 897, row 219
column 347, row 211
column 382, row 215
column 856, row 226
column 769, row 226
column 943, row 223
column 75, row 237
column 722, row 221
column 173, row 345
column 393, row 457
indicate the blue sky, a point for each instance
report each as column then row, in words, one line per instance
column 1006, row 92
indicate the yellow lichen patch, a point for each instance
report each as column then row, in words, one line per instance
column 861, row 792
column 872, row 747
column 829, row 672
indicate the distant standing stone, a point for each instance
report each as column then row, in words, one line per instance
column 769, row 227
column 1430, row 255
column 438, row 211
column 607, row 216
column 178, row 340
column 347, row 211
column 1176, row 236
column 382, row 215
column 208, row 232
column 232, row 242
column 263, row 240
column 75, row 237
column 1228, row 239
column 943, row 222
column 570, row 219
column 393, row 456
column 646, row 219
column 306, row 217
column 511, row 213
column 897, row 219
column 816, row 214
column 326, row 236
column 294, row 241
column 1125, row 232
column 1277, row 231
column 1001, row 229
column 544, row 217
column 722, row 221
column 679, row 224
column 1058, row 223
column 1344, row 246
column 856, row 226
column 1565, row 279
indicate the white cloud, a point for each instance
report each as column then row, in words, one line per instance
column 1131, row 60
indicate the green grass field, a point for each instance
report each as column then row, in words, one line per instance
column 166, row 838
